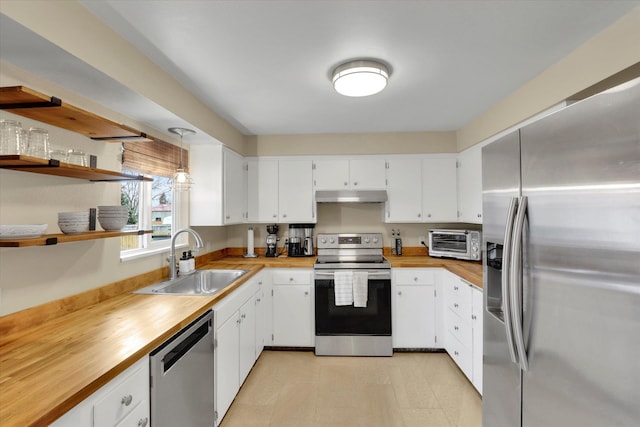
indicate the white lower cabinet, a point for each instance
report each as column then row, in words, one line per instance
column 293, row 312
column 413, row 299
column 124, row 401
column 235, row 338
column 463, row 326
column 264, row 312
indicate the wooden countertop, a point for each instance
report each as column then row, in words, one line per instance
column 48, row 369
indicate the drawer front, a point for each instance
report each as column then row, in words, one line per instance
column 120, row 400
column 414, row 276
column 459, row 297
column 460, row 354
column 459, row 328
column 138, row 417
column 292, row 277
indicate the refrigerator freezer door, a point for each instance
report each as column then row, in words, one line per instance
column 501, row 377
column 581, row 174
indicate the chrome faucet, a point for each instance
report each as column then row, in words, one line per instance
column 172, row 258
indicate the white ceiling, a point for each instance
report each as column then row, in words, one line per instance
column 265, row 65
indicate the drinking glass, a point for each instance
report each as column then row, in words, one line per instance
column 38, row 143
column 11, row 140
column 77, row 157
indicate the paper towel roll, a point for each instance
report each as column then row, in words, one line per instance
column 250, row 248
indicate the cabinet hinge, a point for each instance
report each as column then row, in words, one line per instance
column 313, row 166
column 457, row 164
column 386, row 165
column 271, row 292
column 215, row 415
column 272, row 338
column 436, row 339
column 435, row 294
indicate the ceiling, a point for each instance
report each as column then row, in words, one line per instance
column 265, row 65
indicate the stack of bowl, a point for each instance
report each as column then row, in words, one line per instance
column 113, row 218
column 73, row 222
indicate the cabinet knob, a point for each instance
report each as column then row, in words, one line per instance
column 227, row 217
column 275, row 216
column 346, row 183
column 284, row 215
column 419, row 215
column 291, row 279
column 399, row 292
column 126, row 400
column 415, row 279
column 306, row 292
column 479, row 215
column 428, row 215
column 355, row 183
column 142, row 422
column 473, row 316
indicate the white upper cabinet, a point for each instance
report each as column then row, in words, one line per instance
column 218, row 196
column 349, row 174
column 404, row 188
column 470, row 185
column 262, row 191
column 295, row 191
column 439, row 194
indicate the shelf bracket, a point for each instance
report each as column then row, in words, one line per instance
column 117, row 138
column 54, row 102
column 51, row 241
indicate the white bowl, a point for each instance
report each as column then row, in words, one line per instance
column 73, row 228
column 112, row 224
column 20, row 231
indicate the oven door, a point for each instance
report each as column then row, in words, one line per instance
column 372, row 320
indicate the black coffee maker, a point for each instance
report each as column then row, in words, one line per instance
column 272, row 240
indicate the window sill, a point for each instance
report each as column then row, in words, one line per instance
column 134, row 254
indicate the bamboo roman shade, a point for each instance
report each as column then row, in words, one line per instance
column 153, row 158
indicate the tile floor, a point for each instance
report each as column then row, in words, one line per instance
column 298, row 389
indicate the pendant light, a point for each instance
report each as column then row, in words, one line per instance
column 181, row 179
column 360, row 78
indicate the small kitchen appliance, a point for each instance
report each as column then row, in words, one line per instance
column 272, row 240
column 301, row 240
column 459, row 244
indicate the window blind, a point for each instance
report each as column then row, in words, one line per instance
column 153, row 158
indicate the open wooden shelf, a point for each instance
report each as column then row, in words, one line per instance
column 54, row 167
column 54, row 239
column 26, row 102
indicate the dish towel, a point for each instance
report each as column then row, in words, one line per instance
column 360, row 288
column 343, row 287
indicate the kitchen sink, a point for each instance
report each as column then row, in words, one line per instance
column 200, row 282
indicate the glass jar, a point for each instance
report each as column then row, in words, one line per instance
column 38, row 143
column 11, row 137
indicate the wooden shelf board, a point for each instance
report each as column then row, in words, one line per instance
column 42, row 166
column 52, row 239
column 65, row 116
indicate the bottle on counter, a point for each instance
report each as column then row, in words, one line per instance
column 398, row 244
column 183, row 264
column 192, row 261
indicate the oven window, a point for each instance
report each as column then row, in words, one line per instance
column 374, row 319
column 450, row 242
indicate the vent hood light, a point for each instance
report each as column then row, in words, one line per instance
column 351, row 196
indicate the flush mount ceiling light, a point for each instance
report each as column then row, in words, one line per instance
column 360, row 78
column 181, row 179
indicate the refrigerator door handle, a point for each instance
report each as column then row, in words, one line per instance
column 506, row 273
column 516, row 283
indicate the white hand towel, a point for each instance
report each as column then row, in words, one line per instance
column 343, row 287
column 360, row 288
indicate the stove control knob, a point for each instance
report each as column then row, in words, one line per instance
column 366, row 240
column 323, row 240
column 332, row 240
column 375, row 240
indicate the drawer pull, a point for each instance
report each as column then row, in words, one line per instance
column 455, row 288
column 456, row 353
column 126, row 400
column 455, row 304
column 142, row 422
column 456, row 328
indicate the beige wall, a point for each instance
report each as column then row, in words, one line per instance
column 359, row 143
column 609, row 52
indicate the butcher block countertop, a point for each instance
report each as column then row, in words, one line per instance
column 46, row 370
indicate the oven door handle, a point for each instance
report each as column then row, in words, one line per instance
column 376, row 274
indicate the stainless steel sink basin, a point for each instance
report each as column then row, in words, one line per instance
column 201, row 282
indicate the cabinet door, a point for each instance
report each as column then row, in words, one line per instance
column 227, row 364
column 247, row 338
column 234, row 188
column 206, row 196
column 470, row 185
column 477, row 310
column 332, row 174
column 367, row 174
column 296, row 199
column 292, row 316
column 414, row 315
column 264, row 313
column 439, row 190
column 262, row 190
column 404, row 186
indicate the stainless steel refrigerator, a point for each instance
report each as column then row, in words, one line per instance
column 561, row 206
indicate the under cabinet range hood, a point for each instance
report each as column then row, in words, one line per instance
column 351, row 196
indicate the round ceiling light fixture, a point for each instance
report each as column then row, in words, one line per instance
column 360, row 78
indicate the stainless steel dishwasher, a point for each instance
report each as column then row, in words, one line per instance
column 182, row 377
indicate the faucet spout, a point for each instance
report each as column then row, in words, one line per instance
column 172, row 257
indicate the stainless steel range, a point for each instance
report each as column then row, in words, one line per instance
column 352, row 296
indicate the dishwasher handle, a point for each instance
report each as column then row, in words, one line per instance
column 172, row 351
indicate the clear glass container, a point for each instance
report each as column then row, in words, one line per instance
column 77, row 157
column 38, row 143
column 11, row 137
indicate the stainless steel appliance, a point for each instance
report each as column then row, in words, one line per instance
column 301, row 240
column 459, row 244
column 561, row 203
column 352, row 329
column 181, row 372
column 272, row 240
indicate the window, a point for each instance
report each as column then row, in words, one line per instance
column 152, row 205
